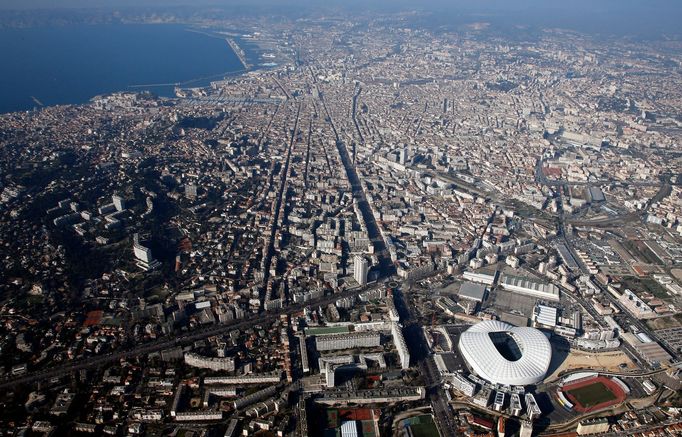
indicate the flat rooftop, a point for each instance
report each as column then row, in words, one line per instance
column 327, row 330
column 472, row 291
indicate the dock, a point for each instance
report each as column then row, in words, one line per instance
column 239, row 52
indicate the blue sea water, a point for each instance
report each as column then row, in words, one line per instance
column 64, row 65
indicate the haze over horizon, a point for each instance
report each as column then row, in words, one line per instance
column 346, row 218
column 622, row 17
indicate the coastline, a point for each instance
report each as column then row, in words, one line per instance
column 78, row 85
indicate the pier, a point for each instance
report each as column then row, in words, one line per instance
column 239, row 52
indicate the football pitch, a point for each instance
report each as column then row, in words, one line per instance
column 594, row 394
column 422, row 426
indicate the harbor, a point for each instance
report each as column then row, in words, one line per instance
column 239, row 52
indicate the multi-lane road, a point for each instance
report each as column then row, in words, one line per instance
column 421, row 355
column 168, row 342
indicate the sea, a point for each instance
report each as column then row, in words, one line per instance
column 72, row 64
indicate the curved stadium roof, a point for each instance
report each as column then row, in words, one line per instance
column 505, row 354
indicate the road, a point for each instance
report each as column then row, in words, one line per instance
column 354, row 113
column 596, row 316
column 645, row 374
column 386, row 266
column 629, row 217
column 588, row 306
column 633, row 321
column 419, row 352
column 442, row 411
column 664, row 191
column 644, row 430
column 380, row 250
column 166, row 343
column 278, row 201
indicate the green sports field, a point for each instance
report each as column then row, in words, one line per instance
column 593, row 394
column 422, row 426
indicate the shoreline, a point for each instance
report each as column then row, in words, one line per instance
column 30, row 101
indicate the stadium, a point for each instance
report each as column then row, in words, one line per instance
column 590, row 392
column 505, row 354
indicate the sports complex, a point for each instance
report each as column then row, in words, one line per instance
column 502, row 353
column 590, row 392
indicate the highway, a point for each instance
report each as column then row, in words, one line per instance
column 165, row 343
column 663, row 191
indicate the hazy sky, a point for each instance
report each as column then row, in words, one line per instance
column 620, row 16
column 585, row 5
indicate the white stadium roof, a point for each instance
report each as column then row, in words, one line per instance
column 505, row 354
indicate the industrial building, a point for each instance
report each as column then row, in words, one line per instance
column 647, row 348
column 529, row 287
column 593, row 426
column 472, row 291
column 482, row 277
column 545, row 316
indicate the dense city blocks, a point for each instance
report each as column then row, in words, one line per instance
column 376, row 225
